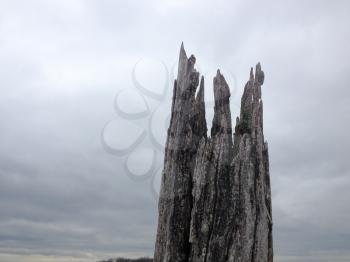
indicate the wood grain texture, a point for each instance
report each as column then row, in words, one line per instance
column 215, row 198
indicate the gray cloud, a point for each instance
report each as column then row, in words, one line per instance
column 64, row 198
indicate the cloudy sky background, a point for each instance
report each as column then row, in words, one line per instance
column 68, row 76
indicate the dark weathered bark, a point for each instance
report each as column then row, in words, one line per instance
column 187, row 127
column 215, row 200
column 252, row 236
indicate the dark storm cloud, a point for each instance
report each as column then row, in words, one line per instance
column 63, row 197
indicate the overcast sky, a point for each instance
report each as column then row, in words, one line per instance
column 81, row 140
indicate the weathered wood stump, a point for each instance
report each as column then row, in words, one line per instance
column 215, row 198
